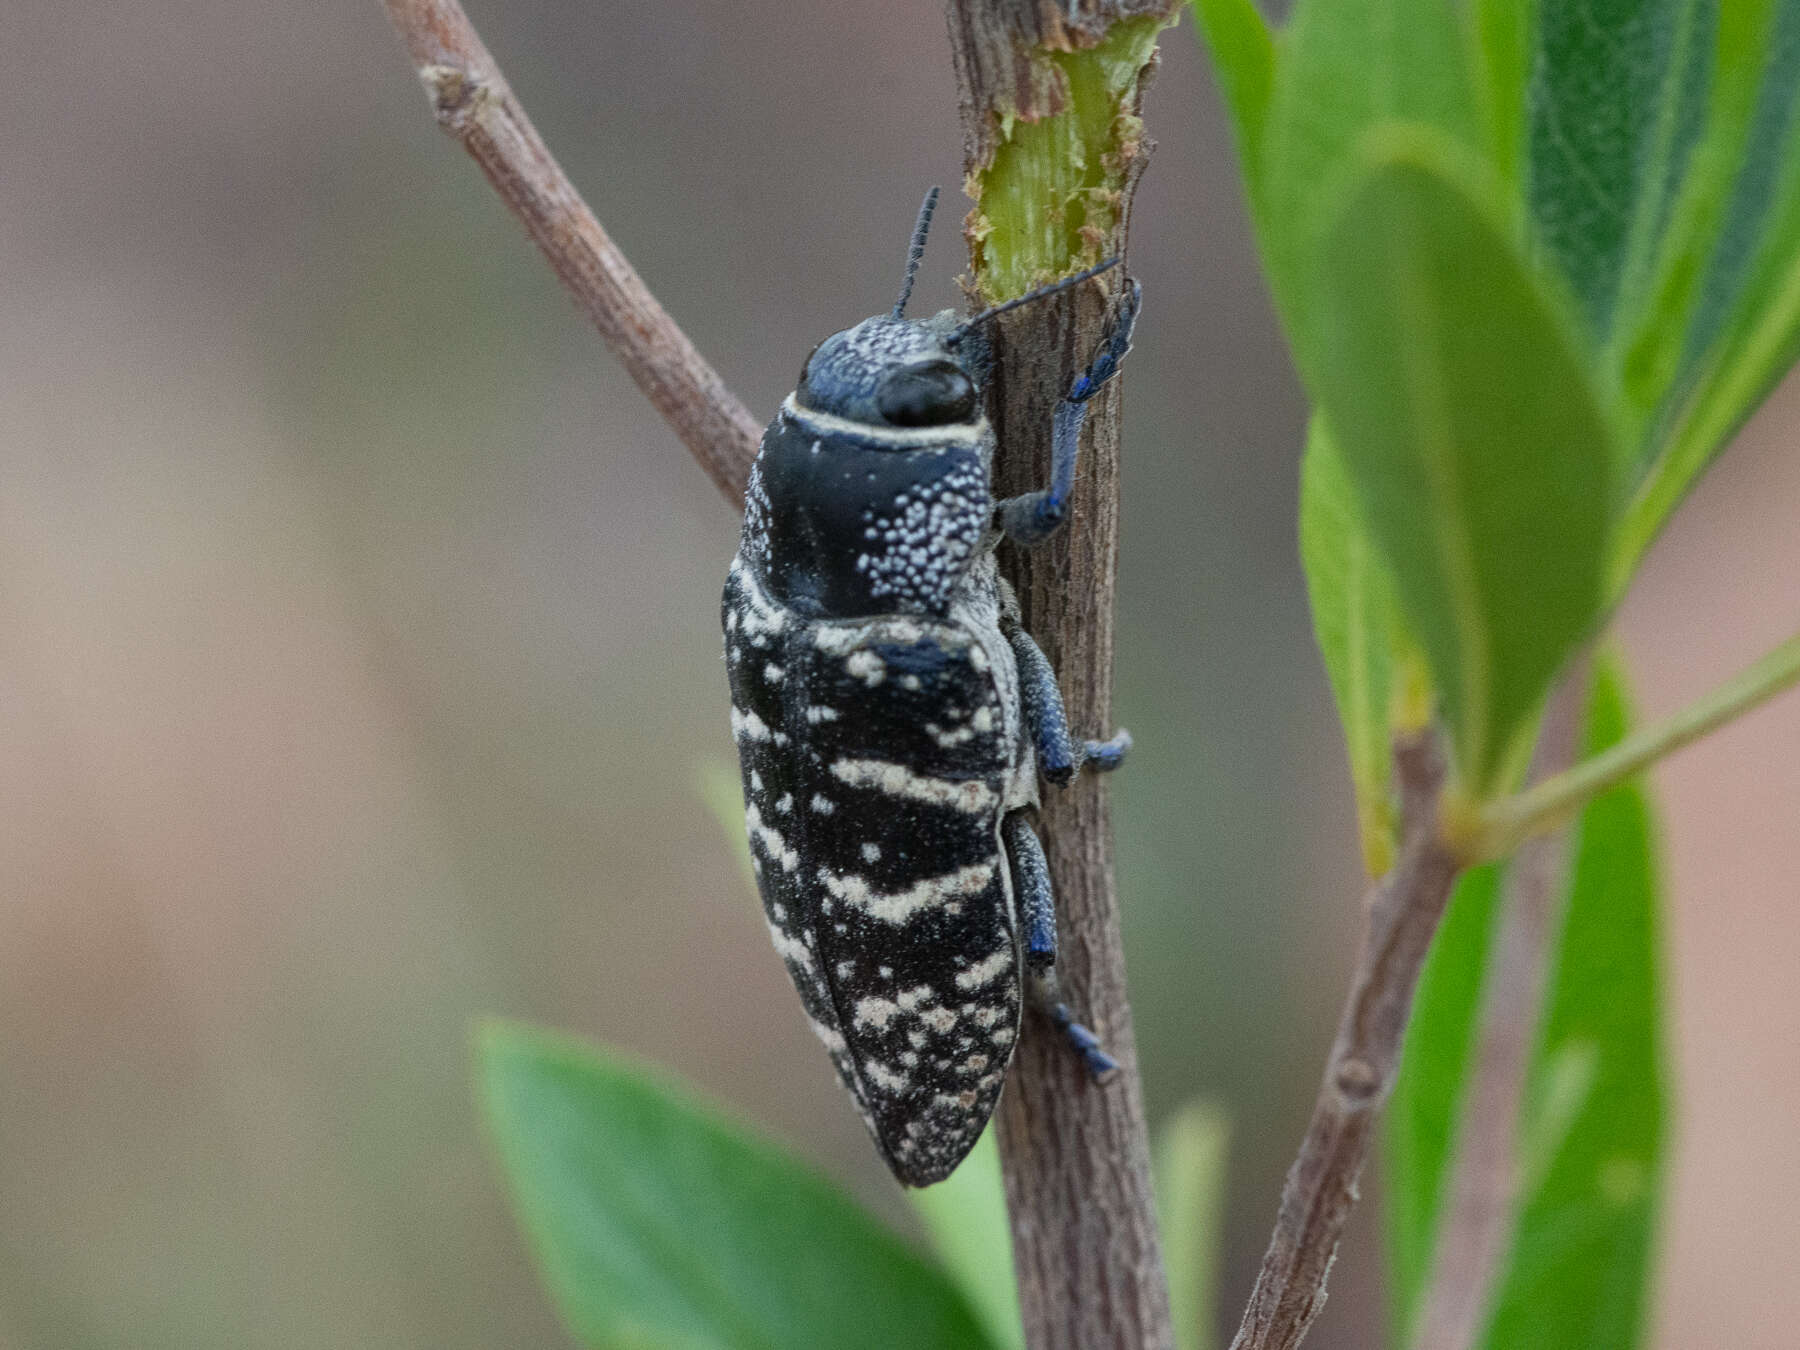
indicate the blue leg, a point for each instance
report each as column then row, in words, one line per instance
column 1060, row 755
column 1037, row 914
column 1031, row 884
column 1035, row 516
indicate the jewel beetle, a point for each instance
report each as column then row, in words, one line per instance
column 892, row 716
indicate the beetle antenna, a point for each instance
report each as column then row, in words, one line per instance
column 917, row 250
column 961, row 331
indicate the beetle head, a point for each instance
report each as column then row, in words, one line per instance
column 891, row 371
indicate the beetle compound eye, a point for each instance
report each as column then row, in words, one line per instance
column 926, row 396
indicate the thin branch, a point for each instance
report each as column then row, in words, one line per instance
column 1481, row 1196
column 1075, row 1154
column 1506, row 824
column 474, row 104
column 1403, row 913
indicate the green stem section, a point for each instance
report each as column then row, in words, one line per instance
column 1508, row 823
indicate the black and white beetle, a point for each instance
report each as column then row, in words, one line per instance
column 892, row 716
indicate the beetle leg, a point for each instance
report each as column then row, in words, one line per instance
column 1032, row 517
column 1031, row 884
column 1060, row 755
column 1047, row 999
column 1037, row 911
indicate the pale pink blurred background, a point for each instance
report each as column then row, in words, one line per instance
column 358, row 665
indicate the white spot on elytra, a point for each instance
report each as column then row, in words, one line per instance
column 986, row 970
column 792, row 948
column 876, row 1012
column 939, row 1020
column 770, row 839
column 822, row 804
column 786, row 804
column 867, row 667
column 773, row 673
column 886, row 1078
column 949, row 740
column 747, row 726
column 818, row 712
column 871, row 852
column 899, row 906
column 896, row 780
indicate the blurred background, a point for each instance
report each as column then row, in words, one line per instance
column 359, row 664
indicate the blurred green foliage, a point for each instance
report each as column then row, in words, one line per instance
column 1536, row 263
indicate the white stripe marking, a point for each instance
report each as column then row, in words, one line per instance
column 898, row 907
column 829, row 425
column 896, row 780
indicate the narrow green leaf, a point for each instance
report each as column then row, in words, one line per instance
column 1479, row 450
column 1725, row 322
column 1764, row 180
column 1592, row 1136
column 1618, row 95
column 1346, row 66
column 965, row 1217
column 1243, row 53
column 1426, row 1106
column 656, row 1220
column 1354, row 619
column 1190, row 1201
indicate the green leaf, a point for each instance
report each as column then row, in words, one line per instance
column 965, row 1217
column 1618, row 91
column 1190, row 1201
column 1243, row 53
column 1722, row 323
column 657, row 1220
column 1478, row 448
column 1426, row 1105
column 1346, row 66
column 1593, row 1132
column 1354, row 620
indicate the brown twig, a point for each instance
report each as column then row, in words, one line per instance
column 474, row 104
column 1482, row 1191
column 1075, row 1155
column 1403, row 913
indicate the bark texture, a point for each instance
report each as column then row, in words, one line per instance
column 1075, row 1154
